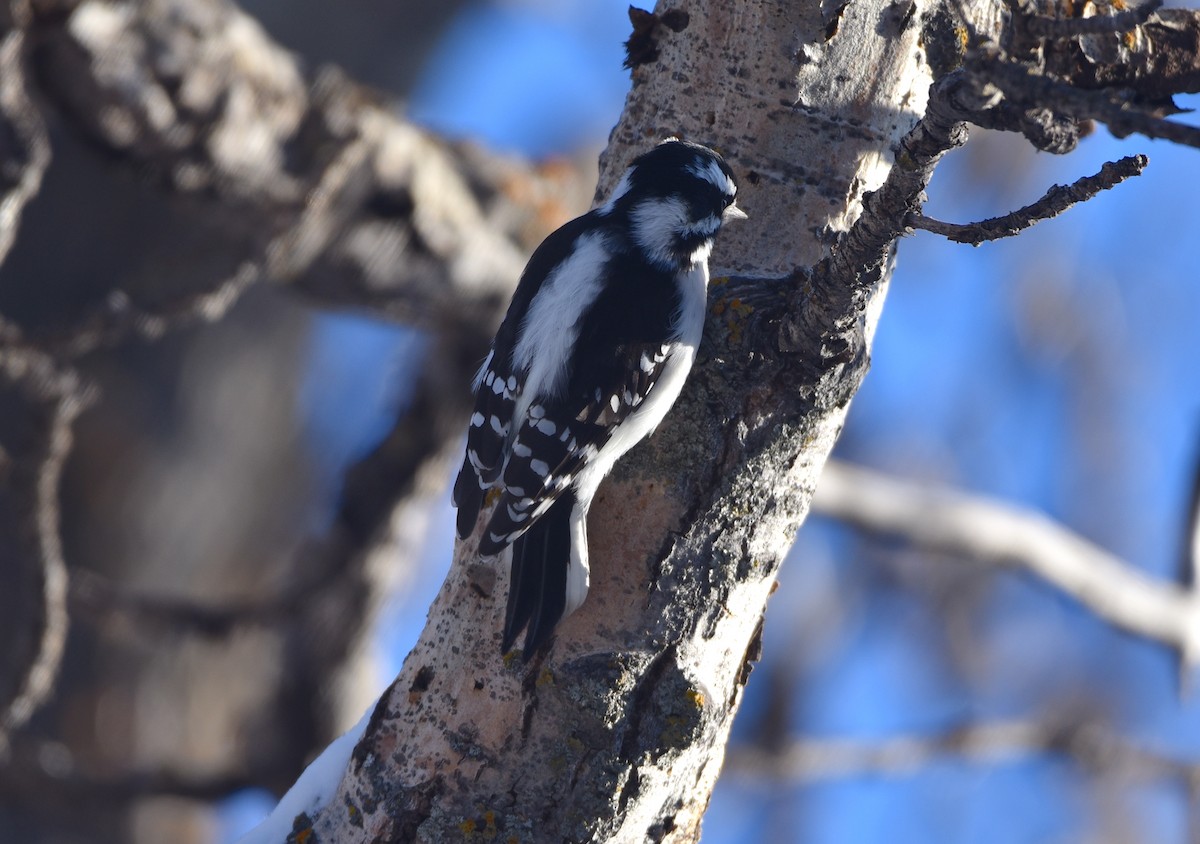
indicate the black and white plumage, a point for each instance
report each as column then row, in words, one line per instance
column 594, row 350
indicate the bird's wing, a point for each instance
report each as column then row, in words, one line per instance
column 499, row 383
column 559, row 437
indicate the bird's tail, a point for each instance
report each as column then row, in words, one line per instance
column 549, row 575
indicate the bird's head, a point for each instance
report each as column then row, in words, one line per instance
column 676, row 197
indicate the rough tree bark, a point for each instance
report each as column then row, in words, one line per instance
column 618, row 733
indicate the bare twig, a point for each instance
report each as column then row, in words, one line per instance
column 956, row 523
column 1042, row 26
column 1055, row 201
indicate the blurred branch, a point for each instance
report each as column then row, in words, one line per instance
column 38, row 404
column 96, row 599
column 1190, row 547
column 47, row 772
column 121, row 320
column 950, row 522
column 1055, row 201
column 319, row 187
column 24, row 149
column 1092, row 746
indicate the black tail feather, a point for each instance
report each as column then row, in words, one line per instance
column 468, row 498
column 537, row 590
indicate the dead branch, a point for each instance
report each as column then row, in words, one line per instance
column 1030, row 89
column 1054, row 202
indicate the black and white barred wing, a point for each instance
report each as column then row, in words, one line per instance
column 559, row 440
column 499, row 384
column 496, row 393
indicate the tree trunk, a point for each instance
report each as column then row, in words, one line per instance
column 618, row 734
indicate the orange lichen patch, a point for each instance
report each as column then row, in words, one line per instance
column 696, row 697
column 735, row 312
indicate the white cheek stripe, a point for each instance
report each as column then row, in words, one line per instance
column 655, row 224
column 712, row 173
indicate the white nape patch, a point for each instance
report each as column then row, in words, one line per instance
column 485, row 374
column 550, row 327
column 656, row 226
column 579, row 572
column 712, row 173
column 315, row 787
column 619, row 191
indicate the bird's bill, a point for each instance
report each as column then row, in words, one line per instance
column 733, row 213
